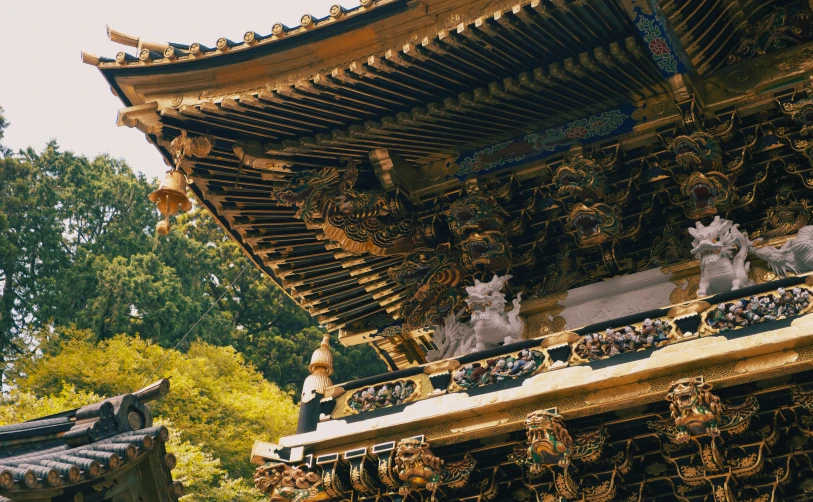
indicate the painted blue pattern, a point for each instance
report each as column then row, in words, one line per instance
column 543, row 144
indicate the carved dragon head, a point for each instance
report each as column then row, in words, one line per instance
column 714, row 241
column 268, row 477
column 698, row 150
column 410, row 450
column 694, row 408
column 779, row 29
column 580, row 178
column 572, row 175
column 414, row 458
column 479, row 226
column 593, row 224
column 485, row 296
column 304, row 187
column 548, row 438
column 708, row 194
column 685, row 394
column 787, row 217
column 489, row 249
column 430, row 276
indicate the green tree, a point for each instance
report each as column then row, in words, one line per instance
column 22, row 405
column 31, row 249
column 3, row 124
column 77, row 249
column 202, row 474
column 216, row 407
column 161, row 293
column 84, row 281
column 216, row 399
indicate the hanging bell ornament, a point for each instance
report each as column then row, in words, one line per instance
column 170, row 198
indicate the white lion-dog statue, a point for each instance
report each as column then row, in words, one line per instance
column 721, row 270
column 794, row 256
column 489, row 325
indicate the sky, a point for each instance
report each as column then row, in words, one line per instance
column 47, row 93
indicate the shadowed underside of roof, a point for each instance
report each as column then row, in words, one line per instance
column 437, row 85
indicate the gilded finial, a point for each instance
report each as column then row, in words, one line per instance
column 320, row 368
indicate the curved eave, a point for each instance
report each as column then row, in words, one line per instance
column 290, row 38
column 93, row 484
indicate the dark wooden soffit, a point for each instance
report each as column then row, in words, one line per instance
column 498, row 74
column 718, row 33
column 515, row 71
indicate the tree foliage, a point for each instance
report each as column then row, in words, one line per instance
column 202, row 474
column 91, row 302
column 24, row 405
column 77, row 249
column 215, row 397
column 217, row 406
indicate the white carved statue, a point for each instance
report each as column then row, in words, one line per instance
column 721, row 270
column 453, row 339
column 489, row 325
column 488, row 318
column 794, row 256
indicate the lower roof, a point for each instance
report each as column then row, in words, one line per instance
column 85, row 449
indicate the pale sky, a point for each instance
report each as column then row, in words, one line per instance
column 47, row 93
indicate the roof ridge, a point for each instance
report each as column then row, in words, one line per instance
column 148, row 52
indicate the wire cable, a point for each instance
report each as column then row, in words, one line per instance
column 175, row 348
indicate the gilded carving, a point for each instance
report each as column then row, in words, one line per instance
column 673, row 245
column 480, row 227
column 593, row 225
column 708, row 194
column 782, row 28
column 383, row 396
column 289, row 484
column 551, row 448
column 431, row 277
column 802, row 398
column 549, row 441
column 581, row 178
column 524, row 363
column 561, row 274
column 358, row 220
column 699, row 150
column 360, row 477
column 183, row 146
column 787, row 217
column 695, row 411
column 385, row 473
column 419, row 469
column 757, row 309
column 647, row 334
column 550, row 444
column 801, row 112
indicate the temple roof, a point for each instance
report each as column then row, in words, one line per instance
column 412, row 98
column 339, row 20
column 71, row 452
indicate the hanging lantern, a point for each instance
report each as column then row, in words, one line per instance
column 170, row 198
